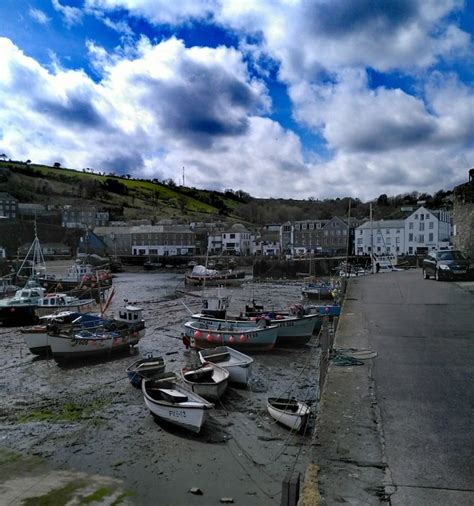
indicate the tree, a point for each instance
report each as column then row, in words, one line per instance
column 3, row 156
column 28, row 162
column 57, row 165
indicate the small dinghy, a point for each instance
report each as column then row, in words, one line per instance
column 149, row 367
column 171, row 402
column 238, row 364
column 209, row 380
column 289, row 412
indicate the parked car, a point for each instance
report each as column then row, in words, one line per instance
column 452, row 264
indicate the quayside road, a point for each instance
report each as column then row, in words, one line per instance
column 399, row 428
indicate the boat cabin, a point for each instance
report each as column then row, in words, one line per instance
column 215, row 305
column 131, row 314
column 53, row 300
column 25, row 295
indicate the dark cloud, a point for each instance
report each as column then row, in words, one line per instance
column 206, row 103
column 76, row 110
column 341, row 17
column 387, row 135
column 122, row 163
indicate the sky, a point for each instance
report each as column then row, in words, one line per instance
column 278, row 98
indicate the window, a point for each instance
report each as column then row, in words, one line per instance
column 422, row 226
column 360, row 240
column 421, row 238
column 389, row 240
column 303, row 226
column 416, row 216
column 361, row 232
column 398, row 230
column 422, row 217
column 430, row 237
column 410, row 225
column 311, row 226
column 431, row 226
column 410, row 237
column 397, row 240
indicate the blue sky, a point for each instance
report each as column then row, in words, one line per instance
column 290, row 98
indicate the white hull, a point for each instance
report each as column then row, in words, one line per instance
column 294, row 420
column 213, row 389
column 64, row 347
column 189, row 415
column 36, row 338
column 238, row 364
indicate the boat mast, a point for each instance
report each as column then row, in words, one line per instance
column 35, row 256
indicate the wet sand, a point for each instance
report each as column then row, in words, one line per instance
column 86, row 416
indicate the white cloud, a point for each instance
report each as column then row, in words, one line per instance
column 72, row 15
column 39, row 16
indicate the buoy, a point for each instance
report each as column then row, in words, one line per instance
column 209, row 337
column 231, row 339
column 327, row 309
column 197, row 334
column 243, row 338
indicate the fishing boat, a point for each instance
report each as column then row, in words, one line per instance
column 238, row 364
column 212, row 333
column 208, row 380
column 36, row 336
column 90, row 343
column 291, row 330
column 109, row 335
column 201, row 276
column 289, row 412
column 171, row 402
column 53, row 302
column 317, row 290
column 20, row 309
column 149, row 367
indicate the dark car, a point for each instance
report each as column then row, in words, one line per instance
column 448, row 265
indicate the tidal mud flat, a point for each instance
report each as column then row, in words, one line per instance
column 85, row 415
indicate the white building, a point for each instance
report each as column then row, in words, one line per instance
column 380, row 237
column 427, row 230
column 237, row 240
column 422, row 230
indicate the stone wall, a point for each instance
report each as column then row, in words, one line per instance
column 463, row 218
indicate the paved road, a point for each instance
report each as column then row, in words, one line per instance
column 422, row 387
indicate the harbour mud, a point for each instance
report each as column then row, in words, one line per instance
column 85, row 416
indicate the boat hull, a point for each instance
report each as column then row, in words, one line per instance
column 189, row 415
column 292, row 331
column 145, row 368
column 238, row 364
column 36, row 338
column 242, row 338
column 66, row 347
column 234, row 279
column 294, row 420
column 212, row 390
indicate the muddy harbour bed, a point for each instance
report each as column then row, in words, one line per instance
column 85, row 417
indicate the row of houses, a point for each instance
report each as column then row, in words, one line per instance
column 420, row 231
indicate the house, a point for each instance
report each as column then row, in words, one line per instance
column 421, row 231
column 268, row 244
column 163, row 240
column 8, row 206
column 380, row 237
column 332, row 237
column 427, row 230
column 463, row 216
column 84, row 217
column 237, row 240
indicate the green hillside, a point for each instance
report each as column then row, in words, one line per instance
column 124, row 197
column 128, row 198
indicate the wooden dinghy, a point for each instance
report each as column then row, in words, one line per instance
column 209, row 380
column 238, row 364
column 149, row 367
column 171, row 402
column 289, row 412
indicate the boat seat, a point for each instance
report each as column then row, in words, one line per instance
column 172, row 395
column 199, row 375
column 287, row 406
column 147, row 365
column 218, row 357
